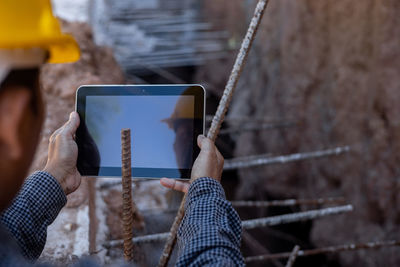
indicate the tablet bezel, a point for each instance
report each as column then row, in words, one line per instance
column 195, row 90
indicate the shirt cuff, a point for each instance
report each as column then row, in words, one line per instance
column 204, row 186
column 49, row 195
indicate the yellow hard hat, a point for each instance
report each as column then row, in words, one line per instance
column 184, row 109
column 26, row 24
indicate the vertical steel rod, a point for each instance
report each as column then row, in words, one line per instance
column 127, row 212
column 219, row 115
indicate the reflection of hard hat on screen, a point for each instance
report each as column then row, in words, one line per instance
column 27, row 24
column 184, row 109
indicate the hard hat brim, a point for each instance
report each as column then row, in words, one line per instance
column 62, row 48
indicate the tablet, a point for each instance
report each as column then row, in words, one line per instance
column 165, row 121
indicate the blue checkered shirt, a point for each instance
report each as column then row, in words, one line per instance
column 35, row 207
column 209, row 234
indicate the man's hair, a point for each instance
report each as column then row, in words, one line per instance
column 28, row 78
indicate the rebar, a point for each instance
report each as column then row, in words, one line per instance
column 256, row 247
column 251, row 161
column 237, row 70
column 247, row 119
column 295, row 217
column 325, row 250
column 153, row 238
column 255, row 223
column 259, row 127
column 220, row 114
column 293, row 256
column 287, row 202
column 158, row 31
column 127, row 211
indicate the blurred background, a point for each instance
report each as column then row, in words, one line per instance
column 325, row 73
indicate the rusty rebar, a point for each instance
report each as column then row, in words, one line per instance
column 258, row 127
column 264, row 204
column 295, row 217
column 251, row 120
column 293, row 256
column 255, row 223
column 247, row 119
column 288, row 202
column 254, row 160
column 256, row 247
column 325, row 250
column 219, row 115
column 171, row 238
column 161, row 237
column 127, row 211
column 237, row 70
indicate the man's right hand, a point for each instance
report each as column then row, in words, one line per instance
column 209, row 163
column 63, row 154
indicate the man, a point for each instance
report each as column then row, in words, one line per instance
column 29, row 37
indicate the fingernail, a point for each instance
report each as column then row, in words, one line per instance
column 201, row 137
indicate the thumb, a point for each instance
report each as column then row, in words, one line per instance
column 72, row 124
column 204, row 143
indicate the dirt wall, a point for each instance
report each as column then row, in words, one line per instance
column 333, row 66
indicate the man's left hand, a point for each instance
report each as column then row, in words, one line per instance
column 63, row 154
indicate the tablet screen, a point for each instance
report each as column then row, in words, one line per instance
column 163, row 133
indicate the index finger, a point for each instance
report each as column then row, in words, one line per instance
column 175, row 185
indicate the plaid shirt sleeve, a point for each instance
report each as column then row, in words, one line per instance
column 35, row 207
column 210, row 232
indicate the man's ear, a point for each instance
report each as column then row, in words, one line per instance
column 14, row 103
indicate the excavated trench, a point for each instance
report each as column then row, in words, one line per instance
column 324, row 64
column 95, row 210
column 257, row 241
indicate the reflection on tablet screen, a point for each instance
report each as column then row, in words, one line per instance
column 161, row 129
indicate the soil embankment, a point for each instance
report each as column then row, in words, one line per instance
column 333, row 66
